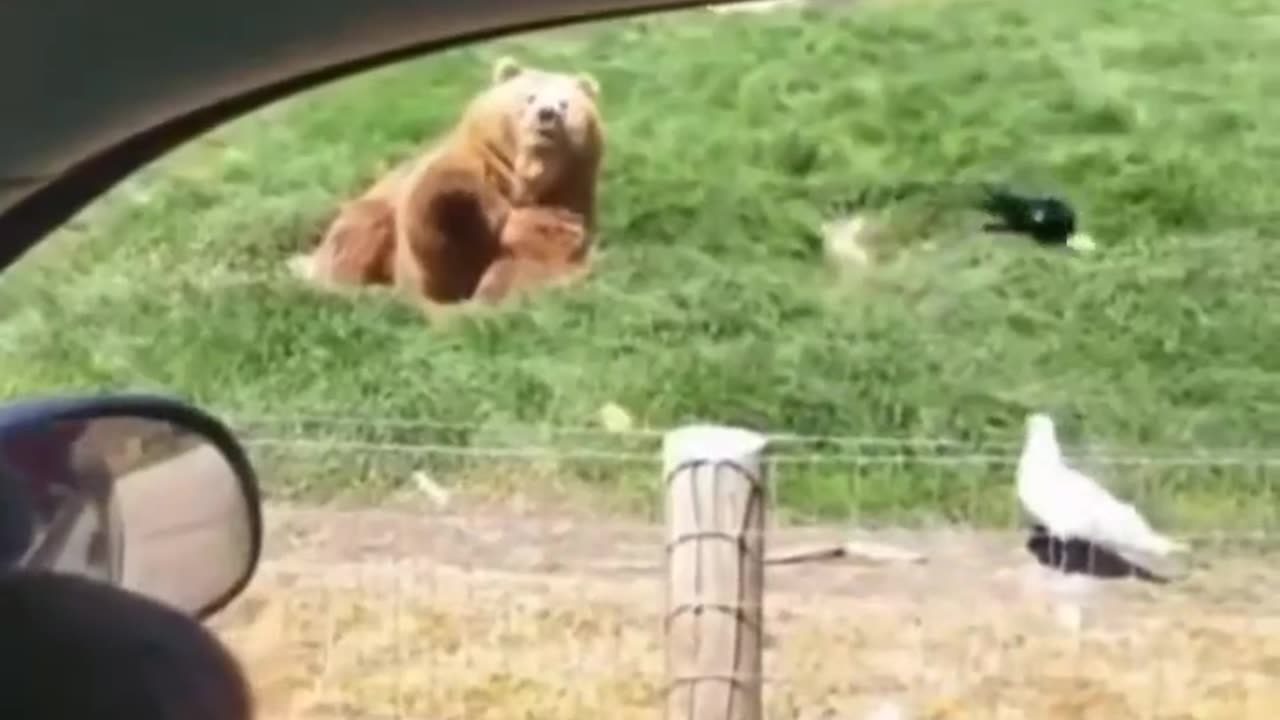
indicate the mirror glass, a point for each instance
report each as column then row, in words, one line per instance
column 145, row 504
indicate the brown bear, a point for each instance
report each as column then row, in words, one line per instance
column 434, row 226
column 533, row 138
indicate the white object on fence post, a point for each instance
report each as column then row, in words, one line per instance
column 715, row 513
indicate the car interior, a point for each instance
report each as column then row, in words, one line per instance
column 152, row 88
column 96, row 92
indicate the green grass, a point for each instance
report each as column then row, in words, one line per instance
column 728, row 137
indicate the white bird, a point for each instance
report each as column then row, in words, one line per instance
column 1071, row 505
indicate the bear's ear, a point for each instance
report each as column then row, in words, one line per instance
column 589, row 84
column 506, row 68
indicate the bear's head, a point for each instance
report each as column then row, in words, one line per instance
column 557, row 132
column 555, row 109
column 543, row 129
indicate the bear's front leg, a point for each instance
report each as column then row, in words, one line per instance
column 449, row 232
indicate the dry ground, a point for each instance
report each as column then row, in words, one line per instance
column 538, row 613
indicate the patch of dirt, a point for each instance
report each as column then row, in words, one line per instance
column 490, row 611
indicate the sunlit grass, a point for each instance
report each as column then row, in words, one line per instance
column 728, row 139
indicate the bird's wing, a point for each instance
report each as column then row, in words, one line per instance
column 1129, row 530
column 1113, row 523
column 1085, row 489
column 1072, row 503
column 1069, row 503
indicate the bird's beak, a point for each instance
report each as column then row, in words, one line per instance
column 1081, row 243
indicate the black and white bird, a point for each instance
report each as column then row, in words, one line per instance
column 1072, row 506
column 1049, row 220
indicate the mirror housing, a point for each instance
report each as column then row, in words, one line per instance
column 146, row 493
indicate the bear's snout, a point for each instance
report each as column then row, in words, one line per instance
column 547, row 115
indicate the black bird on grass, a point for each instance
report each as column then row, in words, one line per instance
column 1046, row 219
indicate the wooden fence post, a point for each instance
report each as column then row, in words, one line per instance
column 715, row 515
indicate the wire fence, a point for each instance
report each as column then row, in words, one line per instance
column 441, row 609
column 929, row 457
column 869, row 480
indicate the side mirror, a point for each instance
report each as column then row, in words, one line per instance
column 145, row 493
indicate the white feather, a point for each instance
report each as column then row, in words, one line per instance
column 1072, row 505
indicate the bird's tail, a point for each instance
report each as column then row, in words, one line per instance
column 1164, row 546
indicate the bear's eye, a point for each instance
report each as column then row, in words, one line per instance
column 528, row 100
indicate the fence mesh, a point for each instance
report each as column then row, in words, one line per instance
column 504, row 577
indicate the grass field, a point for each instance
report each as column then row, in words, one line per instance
column 729, row 137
